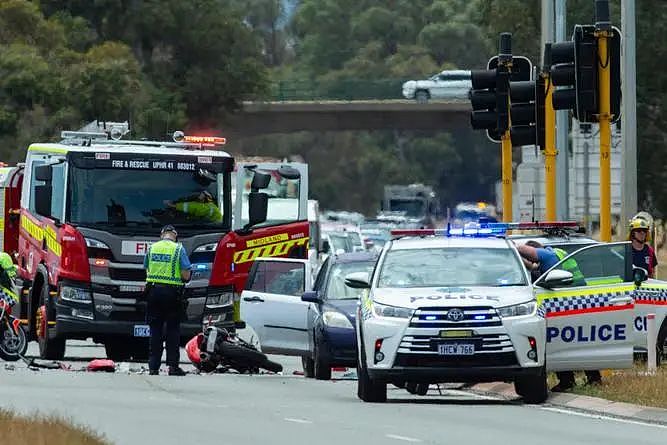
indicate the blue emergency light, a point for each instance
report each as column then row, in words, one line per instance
column 486, row 229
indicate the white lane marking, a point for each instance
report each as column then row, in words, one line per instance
column 407, row 439
column 297, row 420
column 602, row 417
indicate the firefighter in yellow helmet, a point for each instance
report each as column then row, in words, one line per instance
column 643, row 254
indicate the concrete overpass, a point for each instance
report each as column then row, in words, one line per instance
column 261, row 118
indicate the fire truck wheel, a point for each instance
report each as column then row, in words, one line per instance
column 49, row 348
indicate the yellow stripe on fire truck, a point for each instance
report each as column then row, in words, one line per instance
column 40, row 234
column 270, row 250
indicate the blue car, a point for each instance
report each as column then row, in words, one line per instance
column 331, row 319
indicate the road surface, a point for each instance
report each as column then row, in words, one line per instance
column 134, row 408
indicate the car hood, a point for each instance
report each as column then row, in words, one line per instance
column 345, row 307
column 465, row 296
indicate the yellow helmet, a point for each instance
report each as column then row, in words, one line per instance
column 639, row 224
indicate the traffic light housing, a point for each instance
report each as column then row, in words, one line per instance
column 575, row 65
column 527, row 112
column 490, row 92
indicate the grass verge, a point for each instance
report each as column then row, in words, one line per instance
column 37, row 429
column 628, row 385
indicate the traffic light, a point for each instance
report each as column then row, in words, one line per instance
column 527, row 112
column 490, row 94
column 489, row 101
column 575, row 66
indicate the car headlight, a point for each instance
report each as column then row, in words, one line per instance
column 207, row 247
column 218, row 301
column 95, row 244
column 336, row 320
column 75, row 294
column 518, row 310
column 383, row 310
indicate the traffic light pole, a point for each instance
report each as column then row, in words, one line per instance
column 507, row 176
column 603, row 29
column 604, row 81
column 550, row 151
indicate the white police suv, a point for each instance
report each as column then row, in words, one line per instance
column 449, row 309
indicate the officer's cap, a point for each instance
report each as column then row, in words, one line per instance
column 168, row 228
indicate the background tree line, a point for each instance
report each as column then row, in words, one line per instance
column 167, row 64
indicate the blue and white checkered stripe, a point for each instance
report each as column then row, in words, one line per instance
column 647, row 293
column 578, row 302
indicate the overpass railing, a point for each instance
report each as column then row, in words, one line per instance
column 342, row 89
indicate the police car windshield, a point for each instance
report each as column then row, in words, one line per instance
column 124, row 198
column 451, row 266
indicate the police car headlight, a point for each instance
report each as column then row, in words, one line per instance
column 383, row 310
column 336, row 320
column 75, row 294
column 518, row 310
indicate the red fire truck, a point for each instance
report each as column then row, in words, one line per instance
column 79, row 216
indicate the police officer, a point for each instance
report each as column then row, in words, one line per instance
column 167, row 268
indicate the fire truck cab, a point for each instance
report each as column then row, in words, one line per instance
column 90, row 207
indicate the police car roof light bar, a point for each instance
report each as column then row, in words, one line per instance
column 473, row 231
column 536, row 225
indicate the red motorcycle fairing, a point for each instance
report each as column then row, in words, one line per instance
column 193, row 348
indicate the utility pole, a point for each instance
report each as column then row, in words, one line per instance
column 550, row 151
column 562, row 130
column 603, row 33
column 547, row 36
column 629, row 114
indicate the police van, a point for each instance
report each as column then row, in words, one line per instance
column 458, row 305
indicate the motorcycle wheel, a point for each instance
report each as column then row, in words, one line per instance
column 241, row 353
column 12, row 346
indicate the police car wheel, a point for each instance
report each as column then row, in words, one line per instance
column 533, row 388
column 367, row 389
column 661, row 353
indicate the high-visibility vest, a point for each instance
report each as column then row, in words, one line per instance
column 570, row 266
column 164, row 265
column 202, row 210
column 9, row 296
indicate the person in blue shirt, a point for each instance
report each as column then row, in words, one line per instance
column 167, row 269
column 537, row 258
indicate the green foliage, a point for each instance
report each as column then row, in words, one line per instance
column 162, row 64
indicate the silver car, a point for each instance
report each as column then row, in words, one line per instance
column 453, row 84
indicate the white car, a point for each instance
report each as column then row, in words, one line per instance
column 463, row 309
column 453, row 84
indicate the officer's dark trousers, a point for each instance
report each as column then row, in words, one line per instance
column 164, row 311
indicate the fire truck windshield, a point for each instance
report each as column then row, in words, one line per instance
column 136, row 198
